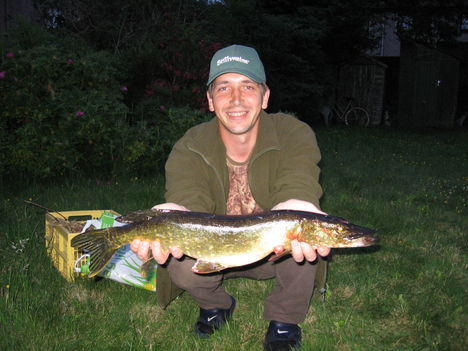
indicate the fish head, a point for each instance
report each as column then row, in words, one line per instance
column 351, row 235
column 337, row 232
column 358, row 239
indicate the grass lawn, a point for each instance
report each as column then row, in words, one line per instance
column 409, row 293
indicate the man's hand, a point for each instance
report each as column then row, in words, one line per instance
column 301, row 250
column 298, row 205
column 141, row 247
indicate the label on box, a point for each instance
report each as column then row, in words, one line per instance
column 107, row 220
column 125, row 265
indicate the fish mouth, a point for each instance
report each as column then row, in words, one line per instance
column 362, row 236
column 361, row 240
column 370, row 240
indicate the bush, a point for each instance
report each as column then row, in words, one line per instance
column 61, row 106
column 63, row 112
column 150, row 140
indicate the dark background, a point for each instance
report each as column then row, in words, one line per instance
column 304, row 45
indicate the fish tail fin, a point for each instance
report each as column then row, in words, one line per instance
column 100, row 247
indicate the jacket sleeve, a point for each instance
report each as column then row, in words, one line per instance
column 188, row 180
column 297, row 173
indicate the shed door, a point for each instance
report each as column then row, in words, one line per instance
column 427, row 93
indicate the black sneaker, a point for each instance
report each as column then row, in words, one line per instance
column 210, row 320
column 282, row 337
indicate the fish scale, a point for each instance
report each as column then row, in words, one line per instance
column 221, row 241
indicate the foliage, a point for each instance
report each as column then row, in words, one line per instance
column 428, row 21
column 299, row 41
column 349, row 24
column 120, row 24
column 172, row 69
column 150, row 139
column 94, row 89
column 61, row 106
column 163, row 45
column 287, row 42
column 63, row 112
column 167, row 45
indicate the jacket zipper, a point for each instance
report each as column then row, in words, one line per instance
column 212, row 167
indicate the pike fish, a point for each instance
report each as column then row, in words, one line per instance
column 221, row 241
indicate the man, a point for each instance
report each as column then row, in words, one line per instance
column 244, row 161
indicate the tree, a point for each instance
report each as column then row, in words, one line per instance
column 428, row 21
column 161, row 44
column 166, row 46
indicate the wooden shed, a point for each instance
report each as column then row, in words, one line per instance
column 364, row 80
column 428, row 87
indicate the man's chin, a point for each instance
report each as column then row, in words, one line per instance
column 238, row 130
column 234, row 129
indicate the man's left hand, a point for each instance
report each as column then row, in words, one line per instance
column 302, row 250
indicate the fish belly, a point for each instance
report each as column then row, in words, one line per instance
column 241, row 248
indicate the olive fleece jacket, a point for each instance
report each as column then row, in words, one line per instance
column 283, row 166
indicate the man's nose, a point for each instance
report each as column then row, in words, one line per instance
column 236, row 96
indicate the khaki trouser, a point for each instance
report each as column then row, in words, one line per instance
column 287, row 303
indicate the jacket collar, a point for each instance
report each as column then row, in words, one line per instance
column 210, row 146
column 267, row 135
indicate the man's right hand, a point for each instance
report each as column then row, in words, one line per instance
column 142, row 247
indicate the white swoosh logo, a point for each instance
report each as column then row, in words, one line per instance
column 211, row 318
column 281, row 331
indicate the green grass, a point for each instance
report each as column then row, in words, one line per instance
column 407, row 294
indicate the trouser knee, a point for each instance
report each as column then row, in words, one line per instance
column 182, row 275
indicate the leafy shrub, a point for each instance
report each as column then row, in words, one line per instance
column 63, row 112
column 150, row 140
column 179, row 119
column 173, row 69
column 61, row 106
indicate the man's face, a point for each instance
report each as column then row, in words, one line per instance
column 237, row 102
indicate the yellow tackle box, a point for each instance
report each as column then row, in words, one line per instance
column 60, row 229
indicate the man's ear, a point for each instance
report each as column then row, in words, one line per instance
column 210, row 101
column 266, row 97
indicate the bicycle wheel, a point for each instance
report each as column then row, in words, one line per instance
column 357, row 116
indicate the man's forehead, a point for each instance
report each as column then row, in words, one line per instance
column 233, row 77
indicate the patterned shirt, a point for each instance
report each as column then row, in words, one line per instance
column 240, row 200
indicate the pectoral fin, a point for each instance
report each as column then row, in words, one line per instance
column 278, row 254
column 204, row 267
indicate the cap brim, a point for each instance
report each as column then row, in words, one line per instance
column 246, row 73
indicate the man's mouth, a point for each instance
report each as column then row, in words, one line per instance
column 237, row 114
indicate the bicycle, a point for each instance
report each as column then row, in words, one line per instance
column 345, row 111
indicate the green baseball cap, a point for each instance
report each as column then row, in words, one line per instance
column 237, row 59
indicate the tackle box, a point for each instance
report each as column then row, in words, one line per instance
column 60, row 229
